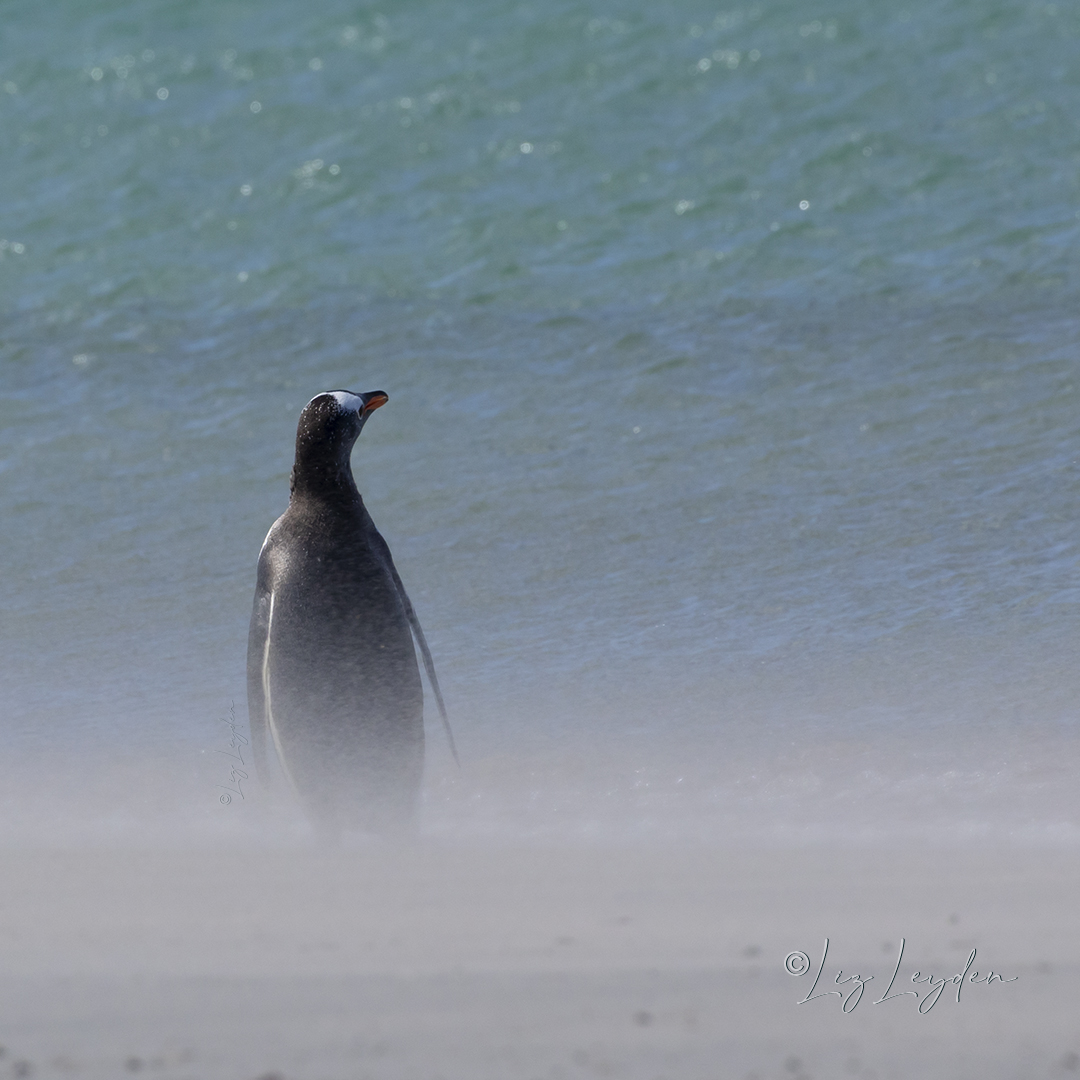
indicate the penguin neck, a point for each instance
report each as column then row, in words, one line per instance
column 322, row 476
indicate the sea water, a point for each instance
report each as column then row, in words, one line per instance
column 731, row 457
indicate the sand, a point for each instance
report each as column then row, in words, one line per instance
column 479, row 961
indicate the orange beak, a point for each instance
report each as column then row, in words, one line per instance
column 375, row 400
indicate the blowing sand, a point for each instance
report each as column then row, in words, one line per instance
column 477, row 961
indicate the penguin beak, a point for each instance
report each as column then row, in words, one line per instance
column 375, row 400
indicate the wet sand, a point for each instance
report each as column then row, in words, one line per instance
column 475, row 961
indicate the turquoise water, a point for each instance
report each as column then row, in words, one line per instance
column 731, row 457
column 535, row 155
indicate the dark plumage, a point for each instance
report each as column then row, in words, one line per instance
column 332, row 674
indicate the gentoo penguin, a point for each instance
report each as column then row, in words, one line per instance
column 332, row 674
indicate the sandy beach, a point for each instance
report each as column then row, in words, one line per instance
column 474, row 961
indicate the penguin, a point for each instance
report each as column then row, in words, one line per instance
column 333, row 682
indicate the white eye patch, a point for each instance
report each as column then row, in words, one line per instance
column 348, row 402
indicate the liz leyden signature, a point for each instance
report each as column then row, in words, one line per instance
column 798, row 963
column 236, row 775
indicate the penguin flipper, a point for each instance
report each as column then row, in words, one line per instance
column 258, row 706
column 425, row 652
column 429, row 665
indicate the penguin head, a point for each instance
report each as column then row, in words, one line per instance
column 326, row 433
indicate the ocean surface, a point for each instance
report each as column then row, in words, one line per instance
column 731, row 457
